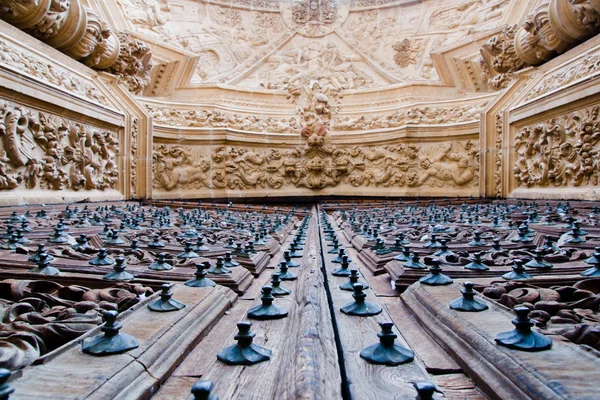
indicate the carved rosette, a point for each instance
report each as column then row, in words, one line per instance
column 81, row 34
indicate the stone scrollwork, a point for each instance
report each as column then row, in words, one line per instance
column 81, row 33
column 134, row 64
column 221, row 119
column 317, row 165
column 500, row 49
column 560, row 152
column 41, row 150
column 314, row 18
column 415, row 115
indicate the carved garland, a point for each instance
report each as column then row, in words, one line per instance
column 220, row 119
column 562, row 151
column 316, row 166
column 41, row 150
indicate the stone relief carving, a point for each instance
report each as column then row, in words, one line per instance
column 498, row 156
column 134, row 64
column 314, row 18
column 70, row 27
column 135, row 130
column 583, row 68
column 41, row 150
column 315, row 106
column 316, row 166
column 500, row 49
column 314, row 61
column 416, row 115
column 407, row 52
column 562, row 151
column 220, row 119
column 320, row 103
column 21, row 60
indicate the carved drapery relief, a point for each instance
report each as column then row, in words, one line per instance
column 413, row 116
column 316, row 166
column 559, row 152
column 41, row 150
column 75, row 30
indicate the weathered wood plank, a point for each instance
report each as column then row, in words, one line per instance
column 369, row 381
column 304, row 362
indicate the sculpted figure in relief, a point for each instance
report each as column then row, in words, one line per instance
column 317, row 165
column 43, row 150
column 560, row 152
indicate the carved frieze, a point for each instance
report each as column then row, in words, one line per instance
column 32, row 65
column 560, row 152
column 45, row 151
column 221, row 119
column 316, row 165
column 413, row 116
column 582, row 68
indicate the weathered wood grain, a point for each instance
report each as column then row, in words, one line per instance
column 304, row 363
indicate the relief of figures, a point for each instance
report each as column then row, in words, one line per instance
column 417, row 115
column 559, row 152
column 40, row 150
column 317, row 165
column 314, row 61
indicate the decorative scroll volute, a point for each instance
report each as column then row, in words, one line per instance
column 24, row 14
column 574, row 20
column 536, row 41
column 80, row 33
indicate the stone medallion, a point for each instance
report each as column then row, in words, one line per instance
column 314, row 18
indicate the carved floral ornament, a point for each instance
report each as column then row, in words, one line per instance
column 314, row 18
column 560, row 152
column 316, row 166
column 41, row 150
column 551, row 29
column 83, row 35
column 219, row 119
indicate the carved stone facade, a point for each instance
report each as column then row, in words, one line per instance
column 40, row 150
column 552, row 28
column 317, row 165
column 79, row 32
column 560, row 152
